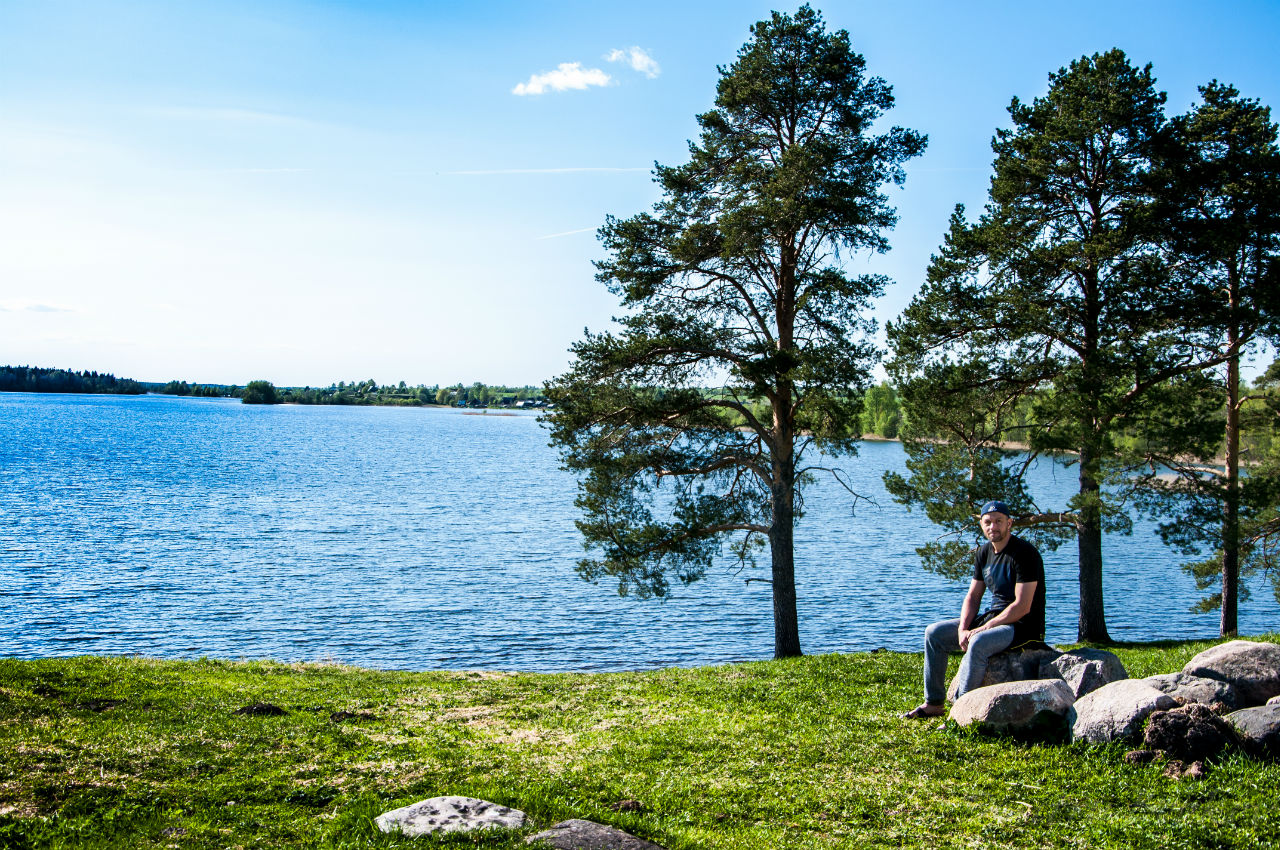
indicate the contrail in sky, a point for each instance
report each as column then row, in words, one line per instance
column 568, row 233
column 538, row 170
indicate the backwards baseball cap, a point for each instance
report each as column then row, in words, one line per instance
column 995, row 507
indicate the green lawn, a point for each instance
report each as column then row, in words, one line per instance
column 802, row 753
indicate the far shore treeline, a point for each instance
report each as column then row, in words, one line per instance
column 35, row 379
column 883, row 412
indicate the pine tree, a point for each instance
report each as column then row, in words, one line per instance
column 1060, row 292
column 735, row 281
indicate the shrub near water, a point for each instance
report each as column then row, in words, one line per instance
column 809, row 752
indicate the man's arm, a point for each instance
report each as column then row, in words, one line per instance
column 1024, row 592
column 969, row 610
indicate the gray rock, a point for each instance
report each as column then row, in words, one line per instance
column 1258, row 729
column 1015, row 666
column 1115, row 712
column 1252, row 667
column 1016, row 706
column 1274, row 701
column 1194, row 688
column 449, row 814
column 579, row 834
column 1085, row 670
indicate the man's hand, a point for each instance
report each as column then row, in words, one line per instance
column 964, row 635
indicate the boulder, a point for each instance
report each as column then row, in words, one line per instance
column 449, row 814
column 1014, row 707
column 1085, row 670
column 1251, row 667
column 1258, row 729
column 1274, row 701
column 1010, row 666
column 1189, row 733
column 1183, row 686
column 579, row 834
column 1115, row 712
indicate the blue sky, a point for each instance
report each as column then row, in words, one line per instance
column 309, row 192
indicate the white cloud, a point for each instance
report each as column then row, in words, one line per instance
column 638, row 59
column 569, row 75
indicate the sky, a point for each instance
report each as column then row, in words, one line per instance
column 308, row 192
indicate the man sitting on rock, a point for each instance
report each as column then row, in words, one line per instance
column 1014, row 572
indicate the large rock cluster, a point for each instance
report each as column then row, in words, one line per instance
column 1227, row 695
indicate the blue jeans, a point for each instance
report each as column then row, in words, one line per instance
column 942, row 639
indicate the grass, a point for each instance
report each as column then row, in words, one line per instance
column 804, row 753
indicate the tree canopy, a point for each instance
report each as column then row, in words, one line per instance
column 1218, row 193
column 260, row 392
column 735, row 281
column 1063, row 287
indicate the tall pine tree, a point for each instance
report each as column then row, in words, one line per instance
column 1059, row 290
column 735, row 281
column 1219, row 202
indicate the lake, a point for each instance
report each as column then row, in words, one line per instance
column 427, row 538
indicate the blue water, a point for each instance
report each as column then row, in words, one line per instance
column 432, row 539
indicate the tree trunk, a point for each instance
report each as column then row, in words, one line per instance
column 1231, row 501
column 786, row 622
column 1092, row 627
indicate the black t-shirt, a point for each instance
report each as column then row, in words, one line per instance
column 1018, row 562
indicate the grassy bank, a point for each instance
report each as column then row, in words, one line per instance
column 809, row 753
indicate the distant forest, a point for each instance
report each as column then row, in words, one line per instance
column 34, row 379
column 370, row 392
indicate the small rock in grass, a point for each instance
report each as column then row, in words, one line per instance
column 1141, row 756
column 579, row 834
column 449, row 814
column 99, row 704
column 627, row 806
column 261, row 709
column 1176, row 769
